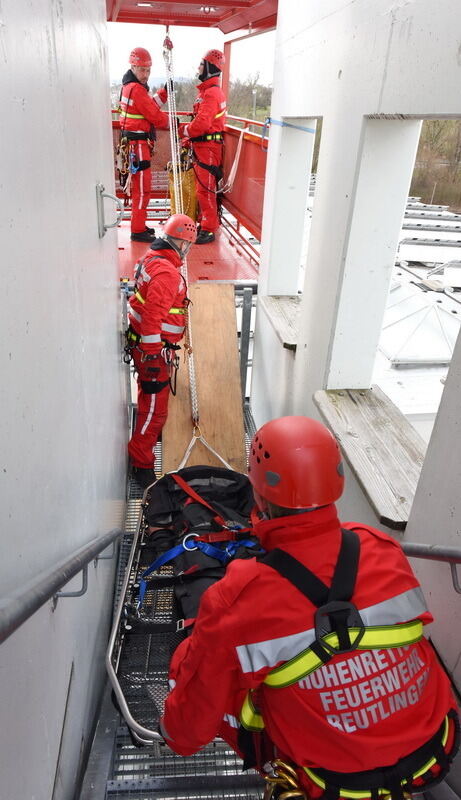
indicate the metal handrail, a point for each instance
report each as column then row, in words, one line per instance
column 436, row 552
column 17, row 607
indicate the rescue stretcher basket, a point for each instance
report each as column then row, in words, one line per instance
column 182, row 541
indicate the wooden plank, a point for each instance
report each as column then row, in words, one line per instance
column 283, row 313
column 217, row 371
column 381, row 447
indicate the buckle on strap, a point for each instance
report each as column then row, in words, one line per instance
column 338, row 616
column 180, row 625
column 185, row 540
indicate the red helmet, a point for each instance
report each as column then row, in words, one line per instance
column 215, row 57
column 140, row 57
column 295, row 462
column 180, row 226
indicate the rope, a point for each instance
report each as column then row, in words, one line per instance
column 177, row 186
column 227, row 187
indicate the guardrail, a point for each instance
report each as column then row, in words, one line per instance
column 17, row 607
column 436, row 552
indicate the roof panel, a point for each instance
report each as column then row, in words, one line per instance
column 227, row 15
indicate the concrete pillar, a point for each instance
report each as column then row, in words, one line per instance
column 357, row 216
column 436, row 518
column 287, row 190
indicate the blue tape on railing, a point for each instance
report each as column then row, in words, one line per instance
column 282, row 124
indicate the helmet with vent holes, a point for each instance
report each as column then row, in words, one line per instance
column 180, row 226
column 215, row 57
column 140, row 57
column 295, row 462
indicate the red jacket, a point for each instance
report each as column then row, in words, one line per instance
column 157, row 309
column 347, row 716
column 138, row 110
column 209, row 110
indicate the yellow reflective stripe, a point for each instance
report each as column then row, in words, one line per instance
column 249, row 717
column 433, row 760
column 171, row 311
column 132, row 116
column 356, row 795
column 374, row 638
column 220, row 114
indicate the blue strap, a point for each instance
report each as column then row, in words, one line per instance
column 224, row 556
column 282, row 124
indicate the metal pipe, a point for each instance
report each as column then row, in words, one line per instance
column 142, row 733
column 17, row 607
column 245, row 338
column 434, row 552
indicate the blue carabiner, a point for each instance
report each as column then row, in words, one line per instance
column 267, row 122
column 133, row 168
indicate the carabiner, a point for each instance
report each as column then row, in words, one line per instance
column 189, row 536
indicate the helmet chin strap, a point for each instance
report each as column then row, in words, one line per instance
column 208, row 71
column 182, row 249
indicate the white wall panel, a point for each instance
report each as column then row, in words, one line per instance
column 62, row 427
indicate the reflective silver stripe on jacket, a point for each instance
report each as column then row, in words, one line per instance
column 145, row 275
column 172, row 328
column 401, row 608
column 127, row 100
column 231, row 720
column 135, row 315
column 155, row 338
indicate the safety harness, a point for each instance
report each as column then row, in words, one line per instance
column 169, row 350
column 208, row 137
column 339, row 629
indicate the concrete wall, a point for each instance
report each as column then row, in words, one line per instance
column 62, row 428
column 370, row 69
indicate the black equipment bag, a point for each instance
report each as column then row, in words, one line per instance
column 212, row 503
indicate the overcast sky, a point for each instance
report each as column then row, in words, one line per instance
column 189, row 44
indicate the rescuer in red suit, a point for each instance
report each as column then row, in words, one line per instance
column 140, row 115
column 366, row 707
column 205, row 132
column 157, row 321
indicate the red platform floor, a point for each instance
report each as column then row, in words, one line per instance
column 225, row 259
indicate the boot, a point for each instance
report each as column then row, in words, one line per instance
column 147, row 235
column 144, row 476
column 205, row 237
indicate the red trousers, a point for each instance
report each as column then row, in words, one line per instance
column 140, row 187
column 151, row 417
column 205, row 182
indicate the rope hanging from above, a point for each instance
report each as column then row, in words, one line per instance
column 177, row 184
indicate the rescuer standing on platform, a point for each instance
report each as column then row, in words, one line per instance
column 157, row 321
column 310, row 660
column 140, row 115
column 205, row 132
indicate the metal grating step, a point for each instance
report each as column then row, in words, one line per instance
column 154, row 771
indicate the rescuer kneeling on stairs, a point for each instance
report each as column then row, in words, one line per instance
column 310, row 660
column 157, row 317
